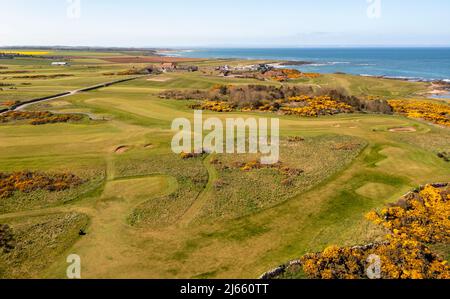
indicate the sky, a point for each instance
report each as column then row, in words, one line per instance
column 224, row 23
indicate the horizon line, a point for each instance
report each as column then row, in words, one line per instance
column 226, row 46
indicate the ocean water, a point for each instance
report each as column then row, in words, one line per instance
column 407, row 63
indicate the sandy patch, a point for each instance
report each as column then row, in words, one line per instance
column 60, row 104
column 149, row 146
column 404, row 129
column 438, row 92
column 159, row 79
column 122, row 149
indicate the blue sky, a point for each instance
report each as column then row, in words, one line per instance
column 203, row 23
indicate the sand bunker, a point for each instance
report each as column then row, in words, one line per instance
column 404, row 129
column 149, row 146
column 122, row 149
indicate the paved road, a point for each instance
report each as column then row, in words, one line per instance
column 67, row 94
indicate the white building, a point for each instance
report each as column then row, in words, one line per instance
column 56, row 63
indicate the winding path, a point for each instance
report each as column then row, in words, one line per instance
column 201, row 200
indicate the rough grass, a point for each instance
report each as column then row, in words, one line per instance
column 39, row 241
column 436, row 140
column 190, row 175
column 238, row 193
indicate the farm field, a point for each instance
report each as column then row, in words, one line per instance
column 141, row 211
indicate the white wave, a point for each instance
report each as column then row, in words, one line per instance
column 318, row 64
column 329, row 63
column 339, row 62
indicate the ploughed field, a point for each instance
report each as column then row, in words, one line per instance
column 104, row 183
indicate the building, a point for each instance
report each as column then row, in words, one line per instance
column 60, row 63
column 168, row 66
column 263, row 68
column 223, row 68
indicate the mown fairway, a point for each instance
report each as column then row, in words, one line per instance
column 150, row 214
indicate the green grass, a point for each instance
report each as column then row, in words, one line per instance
column 154, row 215
column 369, row 86
column 82, row 75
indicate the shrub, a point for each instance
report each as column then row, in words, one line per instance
column 186, row 156
column 32, row 181
column 400, row 257
column 316, row 106
column 7, row 242
column 423, row 216
column 444, row 156
column 430, row 111
column 420, row 218
column 297, row 100
column 38, row 117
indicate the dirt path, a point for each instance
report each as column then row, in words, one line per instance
column 203, row 197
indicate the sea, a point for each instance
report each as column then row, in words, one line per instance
column 416, row 64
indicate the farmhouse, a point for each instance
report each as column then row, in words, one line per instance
column 168, row 66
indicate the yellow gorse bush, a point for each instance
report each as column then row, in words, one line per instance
column 430, row 111
column 216, row 106
column 424, row 216
column 400, row 258
column 419, row 218
column 316, row 106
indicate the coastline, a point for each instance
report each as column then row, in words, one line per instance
column 439, row 88
column 409, row 64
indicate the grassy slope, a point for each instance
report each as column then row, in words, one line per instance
column 330, row 213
